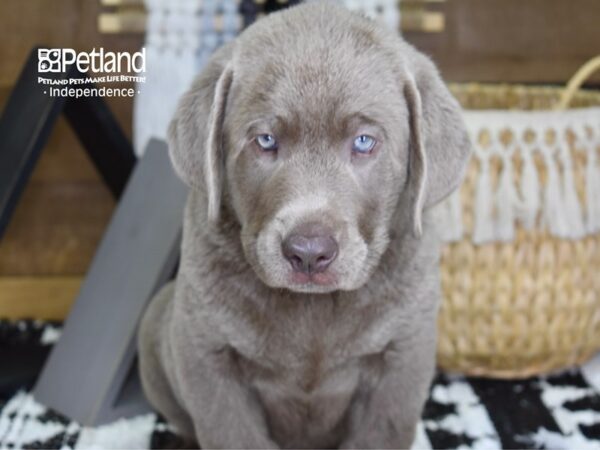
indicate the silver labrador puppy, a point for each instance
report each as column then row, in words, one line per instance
column 304, row 311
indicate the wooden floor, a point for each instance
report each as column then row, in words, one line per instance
column 47, row 297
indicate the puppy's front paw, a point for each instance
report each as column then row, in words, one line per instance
column 384, row 434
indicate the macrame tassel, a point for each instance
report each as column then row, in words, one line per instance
column 592, row 189
column 484, row 229
column 572, row 211
column 455, row 210
column 448, row 217
column 505, row 200
column 554, row 212
column 541, row 138
column 530, row 190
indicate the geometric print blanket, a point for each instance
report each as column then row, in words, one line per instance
column 559, row 411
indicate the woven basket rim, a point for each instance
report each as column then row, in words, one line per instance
column 523, row 90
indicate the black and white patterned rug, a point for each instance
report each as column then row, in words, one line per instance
column 561, row 411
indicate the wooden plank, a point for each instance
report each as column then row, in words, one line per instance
column 113, row 3
column 122, row 22
column 44, row 298
column 529, row 41
column 55, row 229
column 422, row 21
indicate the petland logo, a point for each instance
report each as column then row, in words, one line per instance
column 57, row 60
column 101, row 67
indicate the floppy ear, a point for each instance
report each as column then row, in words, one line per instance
column 195, row 133
column 440, row 146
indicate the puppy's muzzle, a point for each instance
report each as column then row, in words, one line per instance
column 310, row 249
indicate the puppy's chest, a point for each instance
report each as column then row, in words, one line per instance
column 305, row 396
column 306, row 367
column 291, row 356
column 312, row 340
column 311, row 353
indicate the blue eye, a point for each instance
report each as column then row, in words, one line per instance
column 267, row 142
column 363, row 144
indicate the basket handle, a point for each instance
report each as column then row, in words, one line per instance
column 576, row 81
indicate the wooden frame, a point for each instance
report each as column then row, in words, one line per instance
column 27, row 120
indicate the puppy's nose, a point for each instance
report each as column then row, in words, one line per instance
column 311, row 251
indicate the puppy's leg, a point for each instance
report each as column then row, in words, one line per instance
column 225, row 411
column 386, row 417
column 154, row 379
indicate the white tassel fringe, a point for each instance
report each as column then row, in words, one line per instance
column 555, row 205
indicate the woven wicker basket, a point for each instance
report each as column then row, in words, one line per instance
column 531, row 305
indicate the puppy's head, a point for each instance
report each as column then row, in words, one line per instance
column 320, row 132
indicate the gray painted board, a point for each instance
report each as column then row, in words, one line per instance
column 90, row 375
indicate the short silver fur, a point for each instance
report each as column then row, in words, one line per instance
column 235, row 353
